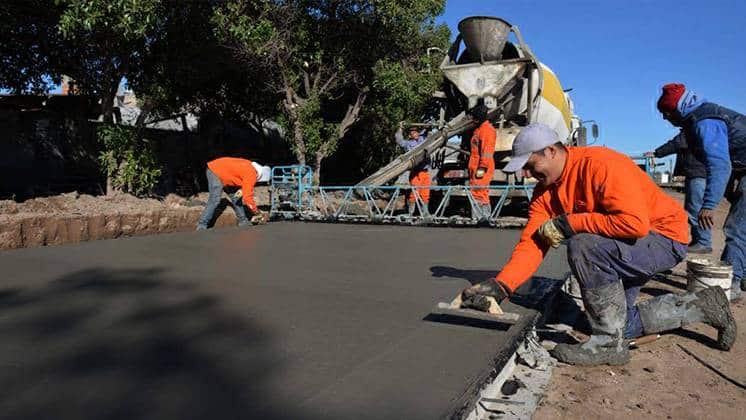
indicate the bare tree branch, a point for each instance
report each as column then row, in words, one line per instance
column 351, row 116
column 306, row 83
column 328, row 83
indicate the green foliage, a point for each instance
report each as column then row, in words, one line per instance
column 240, row 22
column 317, row 132
column 403, row 91
column 328, row 66
column 127, row 19
column 129, row 161
column 32, row 49
column 327, row 70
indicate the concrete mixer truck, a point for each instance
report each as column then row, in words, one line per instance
column 483, row 64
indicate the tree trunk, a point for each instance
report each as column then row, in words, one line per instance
column 352, row 114
column 300, row 147
column 292, row 112
column 107, row 100
column 110, row 188
column 317, row 169
column 142, row 118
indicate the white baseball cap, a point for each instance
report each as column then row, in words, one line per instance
column 532, row 138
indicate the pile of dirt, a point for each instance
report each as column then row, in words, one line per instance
column 73, row 217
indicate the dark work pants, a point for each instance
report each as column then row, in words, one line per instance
column 597, row 261
column 215, row 187
column 735, row 232
column 694, row 195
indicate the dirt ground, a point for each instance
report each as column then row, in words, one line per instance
column 74, row 217
column 661, row 381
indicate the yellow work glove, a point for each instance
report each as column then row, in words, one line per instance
column 259, row 218
column 238, row 194
column 554, row 231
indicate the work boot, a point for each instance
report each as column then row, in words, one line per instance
column 481, row 212
column 672, row 311
column 606, row 308
column 486, row 210
column 699, row 249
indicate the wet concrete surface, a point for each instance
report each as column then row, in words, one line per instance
column 288, row 320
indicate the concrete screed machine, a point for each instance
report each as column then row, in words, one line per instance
column 516, row 88
column 482, row 64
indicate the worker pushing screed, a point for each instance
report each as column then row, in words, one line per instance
column 419, row 176
column 620, row 229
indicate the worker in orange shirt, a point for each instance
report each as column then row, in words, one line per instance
column 481, row 162
column 419, row 176
column 237, row 176
column 620, row 229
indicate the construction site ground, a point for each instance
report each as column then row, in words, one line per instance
column 74, row 217
column 47, row 301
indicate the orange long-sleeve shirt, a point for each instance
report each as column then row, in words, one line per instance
column 236, row 172
column 483, row 148
column 602, row 192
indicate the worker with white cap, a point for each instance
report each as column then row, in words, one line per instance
column 620, row 229
column 237, row 175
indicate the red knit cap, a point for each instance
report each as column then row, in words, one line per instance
column 672, row 92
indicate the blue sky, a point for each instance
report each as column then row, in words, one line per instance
column 617, row 54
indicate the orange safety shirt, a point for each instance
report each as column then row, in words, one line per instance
column 236, row 172
column 483, row 148
column 602, row 192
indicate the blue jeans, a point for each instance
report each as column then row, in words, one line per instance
column 215, row 187
column 597, row 261
column 735, row 232
column 694, row 195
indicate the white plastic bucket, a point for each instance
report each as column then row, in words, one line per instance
column 702, row 273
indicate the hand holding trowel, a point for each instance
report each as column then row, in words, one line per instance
column 480, row 301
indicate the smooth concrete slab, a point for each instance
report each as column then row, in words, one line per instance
column 288, row 320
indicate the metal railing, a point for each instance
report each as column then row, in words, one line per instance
column 293, row 196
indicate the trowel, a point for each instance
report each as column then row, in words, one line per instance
column 493, row 314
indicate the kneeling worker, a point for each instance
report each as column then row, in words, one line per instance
column 228, row 172
column 620, row 229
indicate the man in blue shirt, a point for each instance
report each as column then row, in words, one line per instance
column 717, row 135
column 419, row 176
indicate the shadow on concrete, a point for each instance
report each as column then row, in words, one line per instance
column 532, row 294
column 473, row 276
column 126, row 344
column 467, row 322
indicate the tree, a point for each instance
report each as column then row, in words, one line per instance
column 32, row 49
column 316, row 59
column 112, row 39
column 401, row 90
